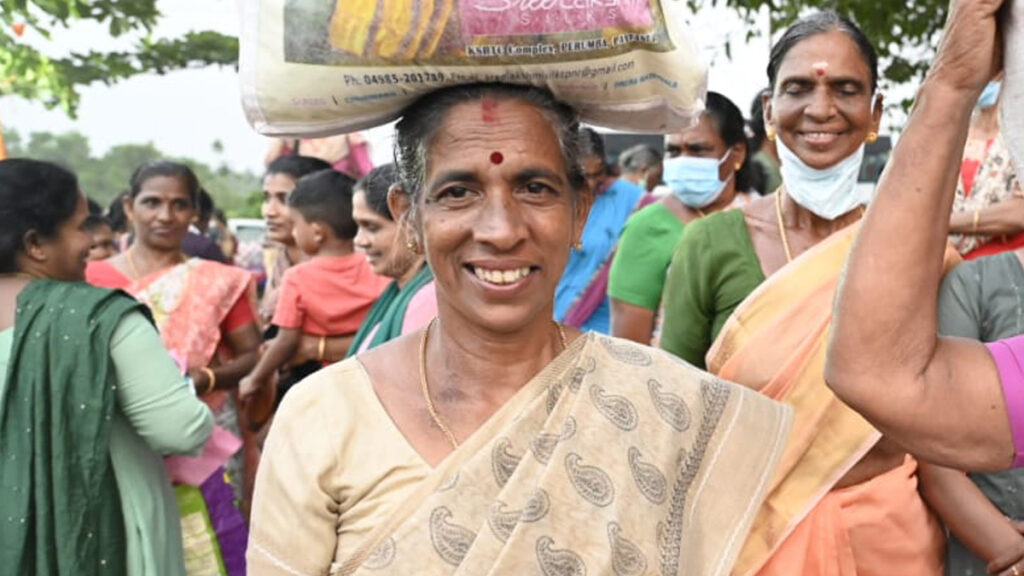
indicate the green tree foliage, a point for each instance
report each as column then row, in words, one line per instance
column 905, row 34
column 104, row 177
column 28, row 72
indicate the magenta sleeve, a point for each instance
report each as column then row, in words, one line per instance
column 1009, row 356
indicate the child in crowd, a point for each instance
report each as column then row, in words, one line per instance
column 328, row 295
column 103, row 243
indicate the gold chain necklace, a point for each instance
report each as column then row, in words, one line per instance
column 782, row 224
column 426, row 389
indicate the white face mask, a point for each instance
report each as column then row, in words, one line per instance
column 829, row 193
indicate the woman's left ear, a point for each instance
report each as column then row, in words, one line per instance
column 876, row 113
column 739, row 155
column 399, row 203
column 32, row 246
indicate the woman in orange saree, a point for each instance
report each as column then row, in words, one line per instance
column 817, row 519
column 206, row 316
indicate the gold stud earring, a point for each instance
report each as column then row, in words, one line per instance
column 739, row 165
column 413, row 246
column 577, row 245
column 872, row 137
column 770, row 133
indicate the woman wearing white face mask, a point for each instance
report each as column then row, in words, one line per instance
column 750, row 292
column 706, row 168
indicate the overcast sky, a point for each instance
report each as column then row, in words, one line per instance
column 184, row 113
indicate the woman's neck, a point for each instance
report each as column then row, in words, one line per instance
column 146, row 259
column 294, row 253
column 724, row 200
column 798, row 218
column 471, row 362
column 410, row 272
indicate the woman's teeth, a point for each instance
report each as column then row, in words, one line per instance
column 501, row 276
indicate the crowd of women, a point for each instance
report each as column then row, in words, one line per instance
column 507, row 354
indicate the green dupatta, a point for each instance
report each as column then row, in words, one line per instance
column 60, row 512
column 389, row 312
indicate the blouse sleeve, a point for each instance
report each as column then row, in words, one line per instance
column 288, row 313
column 1009, row 358
column 152, row 393
column 637, row 277
column 960, row 304
column 294, row 513
column 688, row 310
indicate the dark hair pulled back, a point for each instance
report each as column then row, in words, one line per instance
column 34, row 195
column 375, row 186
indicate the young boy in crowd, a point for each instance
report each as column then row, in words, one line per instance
column 103, row 244
column 329, row 294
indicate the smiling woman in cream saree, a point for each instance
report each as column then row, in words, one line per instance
column 497, row 441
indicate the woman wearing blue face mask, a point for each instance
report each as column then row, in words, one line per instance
column 706, row 169
column 988, row 209
column 749, row 295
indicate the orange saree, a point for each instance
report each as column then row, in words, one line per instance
column 775, row 342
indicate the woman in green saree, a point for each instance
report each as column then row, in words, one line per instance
column 497, row 441
column 89, row 402
column 409, row 302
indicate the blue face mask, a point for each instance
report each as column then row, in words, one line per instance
column 695, row 181
column 990, row 95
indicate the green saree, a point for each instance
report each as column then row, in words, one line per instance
column 59, row 504
column 388, row 313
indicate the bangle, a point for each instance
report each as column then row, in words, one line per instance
column 977, row 219
column 320, row 349
column 211, row 377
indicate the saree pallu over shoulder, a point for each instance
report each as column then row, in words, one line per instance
column 189, row 301
column 776, row 342
column 616, row 459
column 59, row 500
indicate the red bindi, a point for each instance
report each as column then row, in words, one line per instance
column 497, row 158
column 821, row 71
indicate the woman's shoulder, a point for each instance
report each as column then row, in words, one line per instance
column 333, row 386
column 714, row 237
column 983, row 272
column 722, row 224
column 654, row 216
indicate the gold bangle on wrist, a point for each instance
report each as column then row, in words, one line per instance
column 211, row 377
column 321, row 348
column 977, row 220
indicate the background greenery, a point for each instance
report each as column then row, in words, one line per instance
column 102, row 177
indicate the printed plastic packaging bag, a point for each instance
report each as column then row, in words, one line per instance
column 318, row 67
column 1011, row 105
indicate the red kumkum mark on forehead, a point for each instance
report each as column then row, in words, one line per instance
column 497, row 158
column 488, row 110
column 820, row 68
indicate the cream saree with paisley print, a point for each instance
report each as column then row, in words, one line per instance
column 615, row 459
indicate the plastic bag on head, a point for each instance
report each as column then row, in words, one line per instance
column 320, row 67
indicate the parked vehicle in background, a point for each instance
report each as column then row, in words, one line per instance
column 251, row 234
